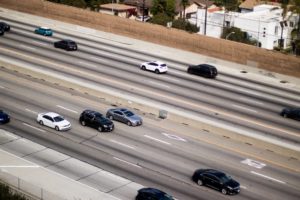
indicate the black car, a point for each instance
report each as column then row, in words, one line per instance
column 216, row 180
column 96, row 120
column 4, row 117
column 204, row 70
column 4, row 26
column 152, row 194
column 68, row 45
column 293, row 113
column 2, row 30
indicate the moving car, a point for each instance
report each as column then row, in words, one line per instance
column 217, row 180
column 4, row 117
column 44, row 31
column 5, row 26
column 293, row 113
column 155, row 66
column 53, row 120
column 96, row 120
column 124, row 115
column 204, row 70
column 68, row 45
column 153, row 194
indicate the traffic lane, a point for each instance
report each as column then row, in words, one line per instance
column 235, row 117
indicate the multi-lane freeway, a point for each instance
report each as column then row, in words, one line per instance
column 152, row 157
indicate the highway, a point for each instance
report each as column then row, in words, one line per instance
column 146, row 154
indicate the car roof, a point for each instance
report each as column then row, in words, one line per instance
column 91, row 112
column 51, row 114
column 152, row 191
column 213, row 171
column 158, row 62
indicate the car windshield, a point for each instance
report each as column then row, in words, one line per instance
column 98, row 115
column 128, row 113
column 72, row 43
column 225, row 178
column 58, row 119
column 166, row 197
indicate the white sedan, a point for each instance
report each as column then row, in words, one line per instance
column 155, row 66
column 53, row 120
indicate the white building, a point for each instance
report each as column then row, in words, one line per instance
column 264, row 24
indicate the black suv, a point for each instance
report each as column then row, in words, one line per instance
column 153, row 194
column 68, row 45
column 204, row 70
column 4, row 26
column 216, row 180
column 293, row 113
column 96, row 120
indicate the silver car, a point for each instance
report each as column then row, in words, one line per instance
column 124, row 115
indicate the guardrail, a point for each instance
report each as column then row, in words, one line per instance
column 29, row 190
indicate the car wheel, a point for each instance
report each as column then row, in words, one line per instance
column 199, row 182
column 100, row 129
column 224, row 191
column 111, row 117
column 143, row 67
column 129, row 123
column 56, row 128
column 156, row 71
column 41, row 122
column 83, row 123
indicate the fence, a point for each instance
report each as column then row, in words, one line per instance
column 30, row 191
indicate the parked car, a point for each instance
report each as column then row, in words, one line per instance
column 124, row 115
column 4, row 117
column 217, row 180
column 68, row 45
column 155, row 66
column 44, row 31
column 140, row 18
column 96, row 120
column 5, row 26
column 53, row 120
column 153, row 194
column 204, row 70
column 293, row 113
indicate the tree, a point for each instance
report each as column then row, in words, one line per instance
column 181, row 23
column 230, row 5
column 161, row 19
column 236, row 34
column 184, row 3
column 166, row 7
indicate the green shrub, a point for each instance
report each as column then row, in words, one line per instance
column 6, row 194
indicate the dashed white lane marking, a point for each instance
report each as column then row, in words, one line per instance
column 30, row 111
column 129, row 163
column 73, row 111
column 2, row 87
column 125, row 145
column 34, row 127
column 159, row 84
column 244, row 187
column 174, row 137
column 267, row 177
column 40, row 43
column 241, row 107
column 158, row 140
column 27, row 47
column 253, row 163
column 250, row 100
column 88, row 64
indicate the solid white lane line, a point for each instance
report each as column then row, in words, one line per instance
column 19, row 166
column 159, row 84
column 129, row 163
column 244, row 187
column 73, row 111
column 30, row 111
column 86, row 63
column 250, row 100
column 22, row 45
column 241, row 107
column 125, row 145
column 34, row 127
column 158, row 140
column 267, row 177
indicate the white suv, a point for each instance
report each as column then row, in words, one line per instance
column 155, row 66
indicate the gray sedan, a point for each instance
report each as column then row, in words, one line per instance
column 124, row 115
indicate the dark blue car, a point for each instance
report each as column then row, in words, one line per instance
column 4, row 117
column 44, row 31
